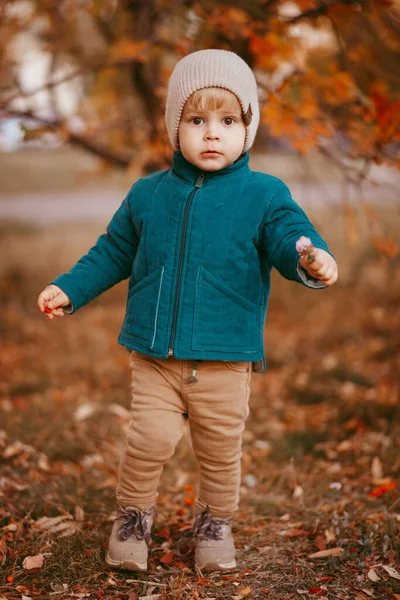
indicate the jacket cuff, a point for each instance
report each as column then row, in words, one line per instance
column 76, row 297
column 309, row 281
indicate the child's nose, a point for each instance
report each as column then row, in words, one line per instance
column 212, row 134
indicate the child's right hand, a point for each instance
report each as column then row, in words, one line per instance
column 51, row 300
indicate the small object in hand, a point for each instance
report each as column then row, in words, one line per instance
column 47, row 310
column 305, row 248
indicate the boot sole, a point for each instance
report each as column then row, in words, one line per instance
column 126, row 564
column 213, row 566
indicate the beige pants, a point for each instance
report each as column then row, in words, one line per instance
column 162, row 400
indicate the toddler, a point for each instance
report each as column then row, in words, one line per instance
column 197, row 242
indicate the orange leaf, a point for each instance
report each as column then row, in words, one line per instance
column 243, row 592
column 386, row 246
column 168, row 558
column 164, row 533
column 326, row 553
column 129, row 49
column 297, row 532
column 382, row 489
column 317, row 591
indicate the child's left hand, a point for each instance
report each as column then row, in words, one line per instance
column 323, row 267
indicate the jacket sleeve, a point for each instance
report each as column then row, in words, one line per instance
column 283, row 224
column 109, row 261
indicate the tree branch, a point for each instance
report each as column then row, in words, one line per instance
column 322, row 9
column 117, row 159
column 122, row 62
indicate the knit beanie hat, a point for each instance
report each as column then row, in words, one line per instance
column 212, row 68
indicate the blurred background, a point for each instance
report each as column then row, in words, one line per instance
column 82, row 92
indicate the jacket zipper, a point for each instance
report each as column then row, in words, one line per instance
column 198, row 184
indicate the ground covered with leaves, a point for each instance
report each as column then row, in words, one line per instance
column 320, row 504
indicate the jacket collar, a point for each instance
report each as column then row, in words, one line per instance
column 189, row 173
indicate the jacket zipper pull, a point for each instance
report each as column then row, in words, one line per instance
column 200, row 180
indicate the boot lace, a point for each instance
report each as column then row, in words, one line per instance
column 134, row 522
column 205, row 527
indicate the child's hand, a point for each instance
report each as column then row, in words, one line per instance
column 321, row 265
column 51, row 300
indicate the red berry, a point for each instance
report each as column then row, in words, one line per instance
column 47, row 309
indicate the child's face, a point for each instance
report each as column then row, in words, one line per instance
column 212, row 139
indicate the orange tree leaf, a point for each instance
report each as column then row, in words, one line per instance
column 386, row 246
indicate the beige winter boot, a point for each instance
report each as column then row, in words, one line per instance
column 214, row 548
column 130, row 539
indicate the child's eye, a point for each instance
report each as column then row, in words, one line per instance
column 197, row 120
column 229, row 120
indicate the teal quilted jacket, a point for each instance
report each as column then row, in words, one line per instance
column 198, row 249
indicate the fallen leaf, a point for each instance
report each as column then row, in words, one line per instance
column 33, row 562
column 10, row 527
column 43, row 462
column 79, row 514
column 84, row 411
column 296, row 532
column 119, row 411
column 168, row 558
column 382, row 489
column 63, row 526
column 317, row 591
column 46, row 523
column 326, row 553
column 298, row 491
column 110, row 482
column 376, row 468
column 243, row 592
column 330, row 535
column 392, row 572
column 58, row 588
column 373, row 576
column 17, row 448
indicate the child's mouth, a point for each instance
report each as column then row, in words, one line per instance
column 211, row 153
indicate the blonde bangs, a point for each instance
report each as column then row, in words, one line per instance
column 213, row 99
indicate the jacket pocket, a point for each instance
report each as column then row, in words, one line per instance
column 143, row 307
column 223, row 319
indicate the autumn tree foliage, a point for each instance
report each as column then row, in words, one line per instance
column 328, row 72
